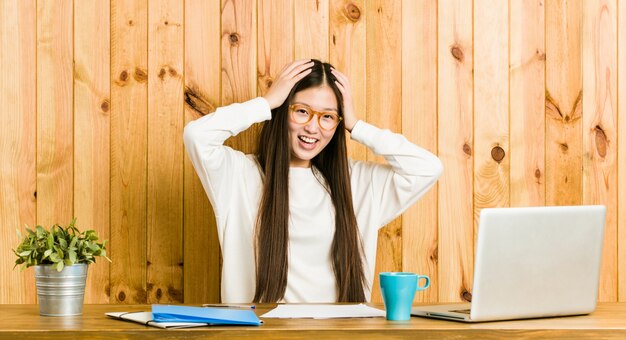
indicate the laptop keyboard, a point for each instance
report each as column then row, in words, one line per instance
column 464, row 311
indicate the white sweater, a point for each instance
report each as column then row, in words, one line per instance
column 232, row 181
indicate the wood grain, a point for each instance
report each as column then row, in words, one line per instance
column 165, row 152
column 432, row 70
column 129, row 135
column 55, row 137
column 92, row 108
column 275, row 40
column 621, row 161
column 384, row 109
column 18, row 143
column 419, row 125
column 202, row 95
column 23, row 321
column 311, row 18
column 491, row 103
column 348, row 54
column 563, row 102
column 239, row 63
column 455, row 254
column 600, row 128
column 527, row 103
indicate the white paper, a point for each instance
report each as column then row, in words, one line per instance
column 319, row 311
column 145, row 318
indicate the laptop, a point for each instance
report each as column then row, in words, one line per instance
column 532, row 262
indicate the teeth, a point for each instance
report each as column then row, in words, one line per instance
column 308, row 140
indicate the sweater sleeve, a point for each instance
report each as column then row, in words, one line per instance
column 217, row 165
column 395, row 186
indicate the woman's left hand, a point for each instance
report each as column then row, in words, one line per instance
column 349, row 115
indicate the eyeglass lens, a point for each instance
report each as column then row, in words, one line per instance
column 302, row 114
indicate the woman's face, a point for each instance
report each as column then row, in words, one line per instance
column 308, row 140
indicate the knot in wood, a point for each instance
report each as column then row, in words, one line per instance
column 105, row 106
column 140, row 75
column 467, row 149
column 601, row 141
column 466, row 296
column 497, row 153
column 197, row 102
column 233, row 38
column 434, row 255
column 540, row 55
column 457, row 53
column 175, row 294
column 124, row 76
column 121, row 296
column 353, row 12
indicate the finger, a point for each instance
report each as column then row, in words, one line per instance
column 301, row 75
column 299, row 70
column 295, row 65
column 340, row 76
column 340, row 86
column 295, row 69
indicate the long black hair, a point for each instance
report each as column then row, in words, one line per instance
column 272, row 226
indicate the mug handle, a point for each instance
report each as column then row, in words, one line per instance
column 426, row 285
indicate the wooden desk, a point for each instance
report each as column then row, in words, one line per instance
column 24, row 322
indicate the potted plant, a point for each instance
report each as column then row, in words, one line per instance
column 61, row 256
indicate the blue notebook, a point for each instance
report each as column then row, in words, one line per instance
column 214, row 316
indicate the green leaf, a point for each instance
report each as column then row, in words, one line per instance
column 50, row 240
column 91, row 235
column 104, row 254
column 54, row 257
column 59, row 251
column 59, row 245
column 63, row 243
column 73, row 241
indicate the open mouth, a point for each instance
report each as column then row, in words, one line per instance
column 307, row 140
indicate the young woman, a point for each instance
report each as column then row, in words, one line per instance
column 298, row 221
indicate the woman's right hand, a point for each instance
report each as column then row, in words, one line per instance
column 288, row 77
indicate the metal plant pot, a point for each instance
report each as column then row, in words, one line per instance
column 61, row 293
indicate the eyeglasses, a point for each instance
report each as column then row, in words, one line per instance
column 302, row 114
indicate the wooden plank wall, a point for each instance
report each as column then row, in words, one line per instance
column 18, row 176
column 92, row 143
column 129, row 125
column 520, row 100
